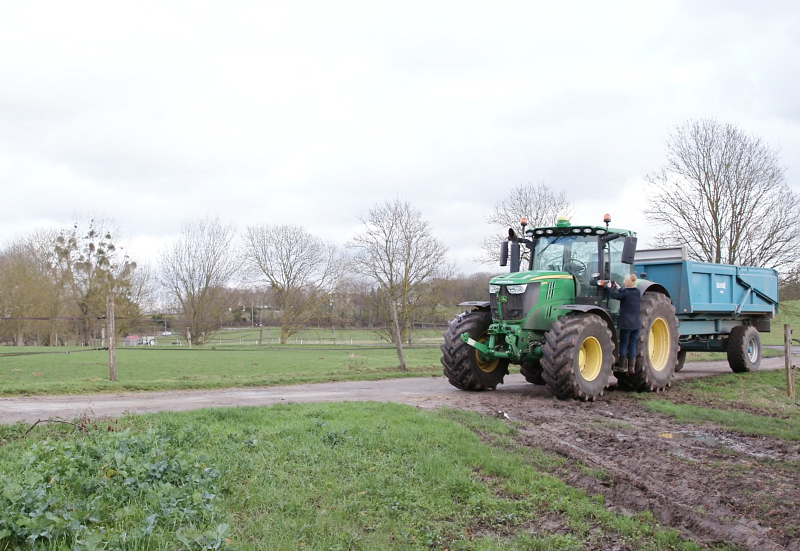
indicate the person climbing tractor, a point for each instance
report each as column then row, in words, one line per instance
column 629, row 322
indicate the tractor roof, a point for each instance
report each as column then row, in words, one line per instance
column 545, row 231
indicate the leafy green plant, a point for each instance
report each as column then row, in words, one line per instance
column 110, row 490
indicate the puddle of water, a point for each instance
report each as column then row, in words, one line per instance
column 684, row 436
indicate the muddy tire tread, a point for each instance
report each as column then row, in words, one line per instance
column 561, row 345
column 643, row 379
column 737, row 353
column 532, row 371
column 458, row 357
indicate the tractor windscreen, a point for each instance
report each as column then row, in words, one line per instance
column 574, row 254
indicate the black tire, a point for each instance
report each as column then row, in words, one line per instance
column 744, row 349
column 681, row 360
column 464, row 366
column 532, row 371
column 654, row 368
column 577, row 357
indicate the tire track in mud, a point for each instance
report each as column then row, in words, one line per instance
column 633, row 490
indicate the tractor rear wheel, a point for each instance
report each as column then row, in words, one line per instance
column 656, row 348
column 464, row 366
column 532, row 371
column 744, row 349
column 578, row 353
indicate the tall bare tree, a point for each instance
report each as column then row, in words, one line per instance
column 723, row 194
column 92, row 265
column 396, row 250
column 196, row 270
column 302, row 269
column 26, row 287
column 540, row 204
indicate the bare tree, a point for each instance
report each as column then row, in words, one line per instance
column 196, row 269
column 536, row 202
column 723, row 194
column 302, row 269
column 396, row 250
column 91, row 265
column 25, row 288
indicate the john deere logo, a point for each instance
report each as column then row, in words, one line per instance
column 503, row 299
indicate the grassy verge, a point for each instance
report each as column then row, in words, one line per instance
column 148, row 368
column 751, row 403
column 723, row 356
column 322, row 476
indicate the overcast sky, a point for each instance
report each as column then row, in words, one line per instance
column 311, row 113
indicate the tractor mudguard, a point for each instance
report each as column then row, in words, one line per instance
column 591, row 309
column 479, row 304
column 646, row 286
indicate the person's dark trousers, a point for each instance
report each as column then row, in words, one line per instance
column 627, row 346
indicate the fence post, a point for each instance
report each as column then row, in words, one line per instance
column 787, row 357
column 112, row 339
column 260, row 335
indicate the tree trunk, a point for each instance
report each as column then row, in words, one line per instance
column 398, row 343
column 284, row 334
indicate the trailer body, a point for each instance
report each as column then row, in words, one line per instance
column 711, row 299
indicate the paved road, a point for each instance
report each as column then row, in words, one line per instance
column 420, row 391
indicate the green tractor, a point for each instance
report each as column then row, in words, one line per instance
column 555, row 320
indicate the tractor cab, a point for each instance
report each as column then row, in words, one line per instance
column 592, row 255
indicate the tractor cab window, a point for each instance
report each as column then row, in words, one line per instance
column 574, row 254
column 616, row 270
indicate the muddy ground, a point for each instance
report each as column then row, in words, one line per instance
column 713, row 485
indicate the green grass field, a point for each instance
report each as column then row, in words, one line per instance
column 751, row 403
column 271, row 336
column 361, row 476
column 153, row 368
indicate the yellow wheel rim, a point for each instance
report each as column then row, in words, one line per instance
column 590, row 358
column 485, row 364
column 658, row 344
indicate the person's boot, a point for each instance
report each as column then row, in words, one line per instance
column 631, row 366
column 623, row 364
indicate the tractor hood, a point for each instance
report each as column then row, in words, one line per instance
column 521, row 278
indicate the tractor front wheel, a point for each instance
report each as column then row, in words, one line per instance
column 532, row 371
column 657, row 346
column 577, row 357
column 464, row 366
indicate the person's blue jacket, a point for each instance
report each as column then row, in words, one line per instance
column 629, row 301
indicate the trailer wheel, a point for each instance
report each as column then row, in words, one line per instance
column 656, row 348
column 681, row 360
column 578, row 353
column 744, row 349
column 464, row 366
column 532, row 371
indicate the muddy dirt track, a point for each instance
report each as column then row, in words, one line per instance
column 713, row 485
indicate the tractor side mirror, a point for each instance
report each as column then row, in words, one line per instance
column 504, row 253
column 629, row 250
column 514, row 257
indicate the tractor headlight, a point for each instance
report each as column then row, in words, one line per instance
column 517, row 289
column 494, row 289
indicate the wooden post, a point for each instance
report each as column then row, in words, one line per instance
column 112, row 339
column 260, row 335
column 787, row 357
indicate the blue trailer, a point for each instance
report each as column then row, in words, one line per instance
column 719, row 307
